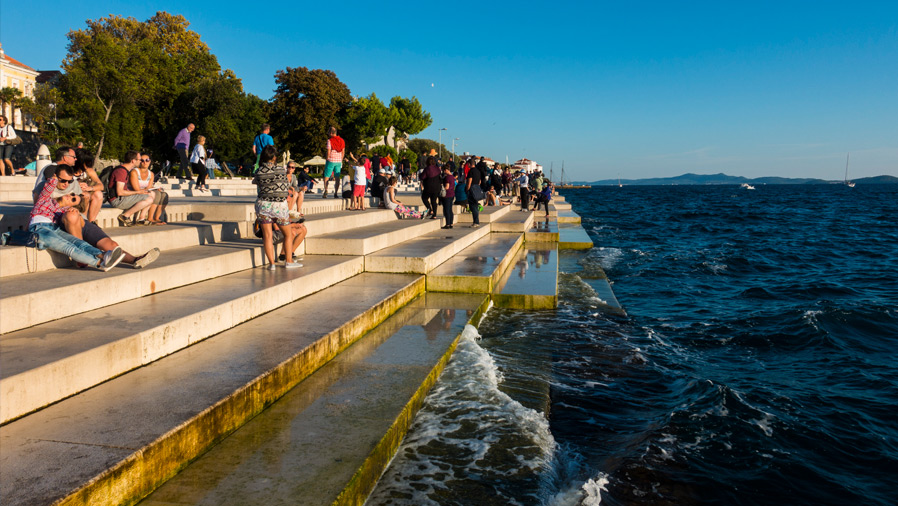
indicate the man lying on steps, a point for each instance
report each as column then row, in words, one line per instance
column 72, row 219
column 49, row 234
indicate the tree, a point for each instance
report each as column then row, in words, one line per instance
column 42, row 108
column 119, row 65
column 305, row 105
column 365, row 121
column 408, row 117
column 418, row 146
column 13, row 98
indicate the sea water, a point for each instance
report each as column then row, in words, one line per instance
column 756, row 363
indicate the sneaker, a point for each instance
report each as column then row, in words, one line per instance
column 292, row 265
column 272, row 267
column 476, row 225
column 111, row 258
column 147, row 258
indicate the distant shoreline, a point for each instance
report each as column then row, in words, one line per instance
column 723, row 179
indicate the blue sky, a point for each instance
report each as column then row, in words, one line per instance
column 640, row 89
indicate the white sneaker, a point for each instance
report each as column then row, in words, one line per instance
column 111, row 258
column 292, row 265
column 147, row 258
column 272, row 267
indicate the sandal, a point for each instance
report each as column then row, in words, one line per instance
column 144, row 223
column 124, row 221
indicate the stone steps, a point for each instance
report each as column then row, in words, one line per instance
column 329, row 439
column 371, row 238
column 120, row 440
column 488, row 215
column 45, row 363
column 514, row 221
column 573, row 236
column 425, row 252
column 531, row 281
column 477, row 268
column 542, row 229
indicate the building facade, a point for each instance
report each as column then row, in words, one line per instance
column 15, row 74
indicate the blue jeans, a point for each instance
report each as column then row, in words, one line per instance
column 211, row 172
column 51, row 237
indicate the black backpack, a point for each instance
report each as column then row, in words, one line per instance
column 105, row 176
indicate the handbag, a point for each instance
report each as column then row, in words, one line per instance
column 442, row 192
column 15, row 141
column 476, row 192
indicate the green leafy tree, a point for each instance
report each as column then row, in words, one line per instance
column 419, row 146
column 408, row 117
column 119, row 66
column 42, row 109
column 365, row 121
column 13, row 98
column 306, row 103
column 384, row 150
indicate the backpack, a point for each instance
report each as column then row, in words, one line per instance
column 105, row 176
column 495, row 180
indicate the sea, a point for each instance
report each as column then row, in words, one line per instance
column 755, row 363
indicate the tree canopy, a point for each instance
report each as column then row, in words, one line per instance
column 305, row 105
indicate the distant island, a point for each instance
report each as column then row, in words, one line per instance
column 705, row 179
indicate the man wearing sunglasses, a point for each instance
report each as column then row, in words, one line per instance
column 65, row 157
column 44, row 224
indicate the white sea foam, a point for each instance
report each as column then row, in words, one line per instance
column 609, row 257
column 465, row 425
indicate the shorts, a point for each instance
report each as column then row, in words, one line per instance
column 332, row 169
column 358, row 190
column 160, row 198
column 125, row 203
column 93, row 234
column 6, row 151
column 273, row 212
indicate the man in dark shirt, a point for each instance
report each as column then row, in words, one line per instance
column 378, row 185
column 474, row 178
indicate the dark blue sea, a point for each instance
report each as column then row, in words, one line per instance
column 756, row 362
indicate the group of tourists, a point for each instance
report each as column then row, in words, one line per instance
column 67, row 199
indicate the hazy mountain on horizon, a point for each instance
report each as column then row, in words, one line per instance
column 721, row 178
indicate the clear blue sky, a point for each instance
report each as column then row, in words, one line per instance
column 640, row 89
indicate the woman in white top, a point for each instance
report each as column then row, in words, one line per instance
column 141, row 178
column 394, row 204
column 198, row 163
column 7, row 134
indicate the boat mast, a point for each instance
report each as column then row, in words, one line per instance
column 847, row 159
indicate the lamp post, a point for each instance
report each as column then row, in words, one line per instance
column 453, row 147
column 441, row 142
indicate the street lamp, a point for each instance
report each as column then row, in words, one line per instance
column 453, row 147
column 441, row 142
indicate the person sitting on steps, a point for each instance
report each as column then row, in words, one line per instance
column 119, row 196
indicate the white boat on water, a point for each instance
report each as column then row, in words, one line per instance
column 848, row 182
column 747, row 186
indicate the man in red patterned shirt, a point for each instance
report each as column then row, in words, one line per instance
column 44, row 225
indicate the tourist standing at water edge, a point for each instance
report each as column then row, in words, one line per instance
column 472, row 187
column 524, row 183
column 260, row 142
column 271, row 206
column 334, row 160
column 182, row 143
column 448, row 195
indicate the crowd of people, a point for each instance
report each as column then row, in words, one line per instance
column 69, row 193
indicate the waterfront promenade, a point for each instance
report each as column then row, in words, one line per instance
column 291, row 386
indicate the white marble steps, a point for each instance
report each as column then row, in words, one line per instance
column 488, row 215
column 17, row 260
column 328, row 440
column 370, row 238
column 573, row 236
column 423, row 253
column 339, row 221
column 542, row 229
column 16, row 215
column 117, row 442
column 24, row 298
column 43, row 364
column 514, row 221
column 531, row 281
column 477, row 268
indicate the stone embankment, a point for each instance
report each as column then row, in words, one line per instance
column 206, row 378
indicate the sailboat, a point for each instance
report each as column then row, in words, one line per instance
column 848, row 183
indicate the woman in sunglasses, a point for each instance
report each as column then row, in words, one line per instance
column 141, row 178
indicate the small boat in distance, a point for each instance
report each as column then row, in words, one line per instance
column 848, row 183
column 746, row 186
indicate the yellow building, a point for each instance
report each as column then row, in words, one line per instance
column 15, row 74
